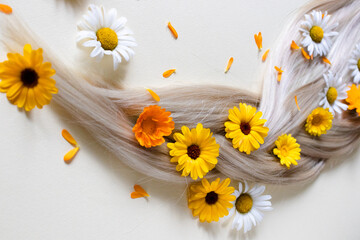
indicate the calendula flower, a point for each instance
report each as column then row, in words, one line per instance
column 355, row 64
column 319, row 121
column 106, row 34
column 246, row 128
column 152, row 125
column 211, row 201
column 248, row 206
column 195, row 151
column 287, row 150
column 317, row 33
column 354, row 98
column 334, row 92
column 26, row 80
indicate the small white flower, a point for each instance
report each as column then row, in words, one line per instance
column 355, row 64
column 317, row 33
column 248, row 206
column 334, row 92
column 105, row 33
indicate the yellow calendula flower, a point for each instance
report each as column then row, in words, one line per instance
column 353, row 98
column 195, row 151
column 211, row 201
column 26, row 80
column 246, row 128
column 319, row 121
column 287, row 150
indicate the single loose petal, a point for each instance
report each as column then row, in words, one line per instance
column 139, row 192
column 264, row 57
column 153, row 94
column 172, row 30
column 68, row 137
column 305, row 54
column 5, row 9
column 297, row 105
column 168, row 73
column 258, row 40
column 229, row 64
column 71, row 154
column 294, row 46
column 325, row 60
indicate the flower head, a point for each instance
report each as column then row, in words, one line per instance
column 354, row 98
column 355, row 64
column 319, row 121
column 333, row 93
column 195, row 151
column 26, row 80
column 317, row 33
column 152, row 125
column 106, row 34
column 210, row 201
column 287, row 150
column 246, row 128
column 248, row 206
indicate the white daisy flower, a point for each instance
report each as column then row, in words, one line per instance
column 105, row 33
column 355, row 64
column 317, row 33
column 248, row 206
column 334, row 92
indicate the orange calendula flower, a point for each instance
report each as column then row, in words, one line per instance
column 173, row 31
column 139, row 192
column 168, row 73
column 152, row 125
column 294, row 45
column 280, row 71
column 230, row 62
column 71, row 154
column 153, row 94
column 264, row 57
column 258, row 40
column 5, row 9
column 354, row 98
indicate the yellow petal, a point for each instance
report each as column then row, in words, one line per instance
column 68, row 137
column 229, row 64
column 173, row 31
column 5, row 9
column 264, row 57
column 168, row 73
column 70, row 155
column 154, row 95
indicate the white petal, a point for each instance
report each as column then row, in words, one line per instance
column 123, row 53
column 110, row 18
column 85, row 34
column 96, row 51
column 116, row 60
column 91, row 43
column 119, row 24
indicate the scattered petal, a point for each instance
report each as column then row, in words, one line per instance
column 294, row 46
column 297, row 105
column 280, row 71
column 70, row 155
column 168, row 73
column 139, row 192
column 5, row 9
column 229, row 64
column 325, row 60
column 305, row 54
column 153, row 94
column 173, row 31
column 258, row 40
column 264, row 57
column 68, row 137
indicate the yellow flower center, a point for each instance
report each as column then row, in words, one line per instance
column 148, row 126
column 29, row 77
column 244, row 203
column 317, row 120
column 245, row 128
column 193, row 151
column 108, row 38
column 211, row 198
column 358, row 64
column 316, row 34
column 331, row 95
column 284, row 150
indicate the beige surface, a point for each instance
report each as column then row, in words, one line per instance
column 43, row 198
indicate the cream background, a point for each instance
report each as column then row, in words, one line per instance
column 41, row 197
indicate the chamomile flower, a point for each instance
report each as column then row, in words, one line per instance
column 333, row 93
column 317, row 33
column 248, row 207
column 355, row 64
column 106, row 34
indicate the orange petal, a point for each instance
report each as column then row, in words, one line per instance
column 5, row 9
column 294, row 46
column 305, row 54
column 278, row 69
column 264, row 57
column 154, row 95
column 258, row 40
column 325, row 60
column 70, row 155
column 168, row 73
column 297, row 103
column 139, row 192
column 312, row 57
column 173, row 31
column 68, row 137
column 230, row 62
column 279, row 76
